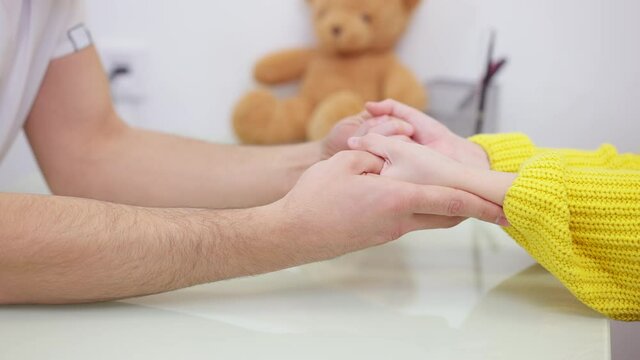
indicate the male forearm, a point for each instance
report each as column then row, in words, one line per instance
column 86, row 150
column 147, row 168
column 65, row 250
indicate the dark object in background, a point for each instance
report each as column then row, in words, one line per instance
column 468, row 108
column 455, row 103
column 493, row 68
column 118, row 71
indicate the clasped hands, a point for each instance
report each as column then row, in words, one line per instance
column 388, row 171
column 420, row 150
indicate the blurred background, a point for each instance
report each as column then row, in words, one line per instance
column 573, row 78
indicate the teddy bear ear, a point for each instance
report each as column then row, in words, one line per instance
column 410, row 5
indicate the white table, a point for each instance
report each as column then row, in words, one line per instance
column 465, row 293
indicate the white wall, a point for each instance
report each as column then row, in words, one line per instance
column 573, row 79
column 201, row 54
column 574, row 76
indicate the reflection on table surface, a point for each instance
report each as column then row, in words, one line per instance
column 465, row 293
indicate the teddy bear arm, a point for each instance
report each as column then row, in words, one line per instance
column 283, row 66
column 402, row 85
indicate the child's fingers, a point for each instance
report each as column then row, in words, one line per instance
column 393, row 108
column 374, row 143
column 423, row 125
column 392, row 127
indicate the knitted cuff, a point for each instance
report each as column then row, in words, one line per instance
column 583, row 225
column 506, row 152
column 536, row 205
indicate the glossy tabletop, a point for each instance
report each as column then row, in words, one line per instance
column 464, row 293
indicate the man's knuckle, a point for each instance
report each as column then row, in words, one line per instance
column 396, row 231
column 455, row 207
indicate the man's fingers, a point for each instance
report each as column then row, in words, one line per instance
column 379, row 145
column 393, row 108
column 436, row 200
column 428, row 222
column 364, row 116
column 403, row 139
column 357, row 120
column 359, row 162
column 392, row 127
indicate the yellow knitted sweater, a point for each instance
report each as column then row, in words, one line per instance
column 578, row 214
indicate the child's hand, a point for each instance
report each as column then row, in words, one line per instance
column 433, row 134
column 410, row 161
column 360, row 125
column 421, row 165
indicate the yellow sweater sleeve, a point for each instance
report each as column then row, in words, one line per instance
column 582, row 223
column 507, row 153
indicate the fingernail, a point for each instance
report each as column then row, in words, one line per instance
column 502, row 221
column 354, row 142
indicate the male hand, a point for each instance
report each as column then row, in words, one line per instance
column 431, row 133
column 341, row 205
column 360, row 125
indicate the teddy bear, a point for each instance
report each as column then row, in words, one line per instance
column 353, row 63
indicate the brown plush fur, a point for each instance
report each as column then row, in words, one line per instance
column 353, row 63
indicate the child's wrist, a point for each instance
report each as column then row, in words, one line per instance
column 470, row 153
column 469, row 179
column 488, row 184
column 475, row 155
